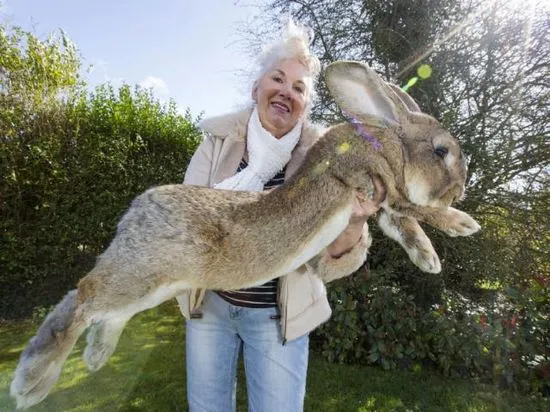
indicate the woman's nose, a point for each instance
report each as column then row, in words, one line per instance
column 285, row 91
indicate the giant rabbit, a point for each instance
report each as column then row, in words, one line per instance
column 177, row 237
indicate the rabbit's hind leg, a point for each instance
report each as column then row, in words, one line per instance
column 102, row 341
column 105, row 332
column 42, row 360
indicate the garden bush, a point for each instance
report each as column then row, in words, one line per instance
column 71, row 161
column 502, row 338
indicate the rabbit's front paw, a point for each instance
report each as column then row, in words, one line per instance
column 460, row 224
column 423, row 255
column 408, row 233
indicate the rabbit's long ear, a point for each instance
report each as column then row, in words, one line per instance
column 406, row 98
column 360, row 91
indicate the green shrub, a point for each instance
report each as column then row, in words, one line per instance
column 503, row 339
column 71, row 162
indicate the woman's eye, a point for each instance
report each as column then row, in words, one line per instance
column 278, row 79
column 299, row 89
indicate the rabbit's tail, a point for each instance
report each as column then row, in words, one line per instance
column 41, row 362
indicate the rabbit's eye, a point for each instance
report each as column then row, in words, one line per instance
column 441, row 151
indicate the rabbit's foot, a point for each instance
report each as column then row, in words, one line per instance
column 408, row 233
column 102, row 341
column 423, row 255
column 33, row 381
column 97, row 355
column 459, row 223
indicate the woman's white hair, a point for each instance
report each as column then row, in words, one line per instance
column 293, row 43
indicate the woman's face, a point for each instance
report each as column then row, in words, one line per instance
column 281, row 96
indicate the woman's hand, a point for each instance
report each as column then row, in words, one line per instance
column 362, row 209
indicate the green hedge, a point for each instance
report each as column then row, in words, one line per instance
column 502, row 339
column 70, row 170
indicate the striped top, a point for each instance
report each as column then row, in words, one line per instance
column 262, row 296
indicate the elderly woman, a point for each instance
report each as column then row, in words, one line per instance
column 257, row 149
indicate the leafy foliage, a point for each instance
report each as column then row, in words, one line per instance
column 72, row 162
column 376, row 322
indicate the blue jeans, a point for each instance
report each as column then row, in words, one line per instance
column 275, row 373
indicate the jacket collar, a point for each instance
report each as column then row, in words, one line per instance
column 230, row 125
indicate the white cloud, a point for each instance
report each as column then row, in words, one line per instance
column 100, row 66
column 159, row 86
column 98, row 73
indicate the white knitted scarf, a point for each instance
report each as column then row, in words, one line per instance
column 267, row 155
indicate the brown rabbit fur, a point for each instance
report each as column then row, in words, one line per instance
column 177, row 237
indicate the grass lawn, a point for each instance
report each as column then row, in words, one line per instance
column 147, row 373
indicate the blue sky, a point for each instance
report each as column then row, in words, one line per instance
column 188, row 50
